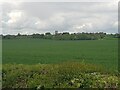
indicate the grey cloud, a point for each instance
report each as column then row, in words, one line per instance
column 73, row 17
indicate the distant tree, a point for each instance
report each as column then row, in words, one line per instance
column 9, row 37
column 65, row 36
column 18, row 34
column 36, row 35
column 48, row 33
column 64, row 33
column 117, row 35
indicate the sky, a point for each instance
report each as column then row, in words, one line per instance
column 41, row 17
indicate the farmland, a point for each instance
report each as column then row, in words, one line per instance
column 34, row 51
column 44, row 63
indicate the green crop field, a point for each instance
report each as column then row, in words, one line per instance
column 40, row 63
column 34, row 51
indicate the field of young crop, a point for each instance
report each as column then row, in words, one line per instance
column 34, row 51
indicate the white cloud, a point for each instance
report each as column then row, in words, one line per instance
column 87, row 27
column 40, row 24
column 13, row 2
column 14, row 16
column 79, row 26
column 57, row 19
column 72, row 17
column 116, row 24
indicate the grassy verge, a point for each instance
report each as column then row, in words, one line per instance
column 64, row 75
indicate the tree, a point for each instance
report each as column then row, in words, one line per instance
column 48, row 33
column 18, row 34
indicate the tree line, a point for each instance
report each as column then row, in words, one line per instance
column 64, row 36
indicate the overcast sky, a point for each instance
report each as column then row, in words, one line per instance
column 39, row 17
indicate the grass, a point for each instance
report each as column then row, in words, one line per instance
column 34, row 51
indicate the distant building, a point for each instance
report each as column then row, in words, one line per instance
column 56, row 32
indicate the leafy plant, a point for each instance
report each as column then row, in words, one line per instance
column 64, row 75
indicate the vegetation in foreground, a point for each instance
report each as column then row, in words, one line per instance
column 64, row 75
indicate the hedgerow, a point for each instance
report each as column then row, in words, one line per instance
column 64, row 75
